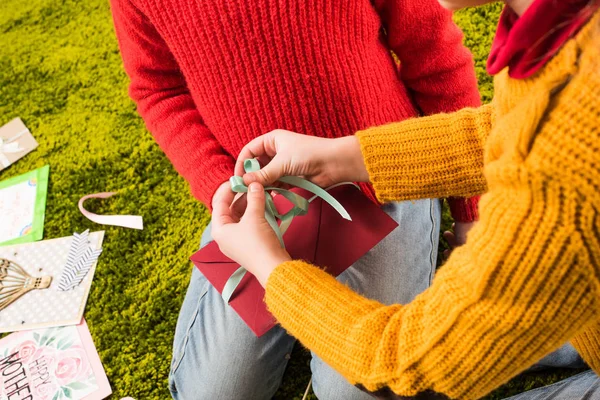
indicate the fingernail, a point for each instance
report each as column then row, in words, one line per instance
column 255, row 187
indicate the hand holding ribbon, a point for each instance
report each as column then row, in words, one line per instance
column 271, row 215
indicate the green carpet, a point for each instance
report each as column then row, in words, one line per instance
column 60, row 71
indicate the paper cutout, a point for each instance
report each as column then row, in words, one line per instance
column 80, row 259
column 23, row 207
column 299, row 207
column 320, row 237
column 54, row 363
column 15, row 142
column 15, row 282
column 125, row 221
column 49, row 307
column 9, row 146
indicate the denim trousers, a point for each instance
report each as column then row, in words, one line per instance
column 583, row 386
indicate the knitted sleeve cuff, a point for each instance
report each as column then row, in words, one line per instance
column 587, row 344
column 208, row 180
column 429, row 157
column 464, row 210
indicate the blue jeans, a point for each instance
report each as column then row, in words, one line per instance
column 584, row 386
column 217, row 357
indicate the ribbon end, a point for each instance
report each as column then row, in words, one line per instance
column 344, row 214
column 137, row 223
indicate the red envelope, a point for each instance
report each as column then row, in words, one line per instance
column 321, row 237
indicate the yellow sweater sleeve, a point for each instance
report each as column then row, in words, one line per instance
column 430, row 157
column 587, row 344
column 528, row 278
column 519, row 288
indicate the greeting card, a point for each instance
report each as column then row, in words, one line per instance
column 52, row 364
column 15, row 142
column 42, row 300
column 23, row 206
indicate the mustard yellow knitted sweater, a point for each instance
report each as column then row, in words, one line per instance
column 528, row 279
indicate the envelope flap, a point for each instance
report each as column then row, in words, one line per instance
column 340, row 242
column 249, row 304
column 210, row 254
column 247, row 300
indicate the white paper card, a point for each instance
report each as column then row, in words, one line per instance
column 17, row 204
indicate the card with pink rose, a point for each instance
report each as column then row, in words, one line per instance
column 52, row 364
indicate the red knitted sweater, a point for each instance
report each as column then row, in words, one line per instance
column 209, row 76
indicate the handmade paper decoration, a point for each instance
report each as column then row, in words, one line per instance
column 48, row 307
column 80, row 259
column 15, row 282
column 321, row 236
column 15, row 142
column 54, row 363
column 23, row 207
column 125, row 221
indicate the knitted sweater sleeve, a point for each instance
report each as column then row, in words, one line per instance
column 435, row 66
column 448, row 162
column 517, row 290
column 166, row 105
column 587, row 344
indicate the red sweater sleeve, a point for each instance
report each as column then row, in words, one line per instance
column 164, row 102
column 434, row 64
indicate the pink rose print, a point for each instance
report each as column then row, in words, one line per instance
column 45, row 391
column 72, row 365
column 26, row 350
column 67, row 369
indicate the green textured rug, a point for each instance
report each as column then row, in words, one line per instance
column 60, row 71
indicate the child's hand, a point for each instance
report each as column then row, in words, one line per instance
column 458, row 236
column 325, row 162
column 242, row 232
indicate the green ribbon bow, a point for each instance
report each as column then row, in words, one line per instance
column 300, row 207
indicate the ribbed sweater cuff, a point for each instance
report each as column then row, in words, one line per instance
column 587, row 344
column 464, row 210
column 296, row 292
column 430, row 157
column 207, row 181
